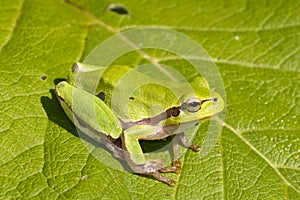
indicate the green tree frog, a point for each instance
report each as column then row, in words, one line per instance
column 120, row 114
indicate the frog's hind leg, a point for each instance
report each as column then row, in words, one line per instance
column 181, row 138
column 134, row 155
column 152, row 168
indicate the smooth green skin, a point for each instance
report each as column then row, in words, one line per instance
column 143, row 97
column 147, row 97
column 97, row 118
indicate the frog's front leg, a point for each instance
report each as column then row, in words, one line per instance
column 181, row 138
column 134, row 154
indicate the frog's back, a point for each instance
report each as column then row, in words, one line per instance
column 133, row 95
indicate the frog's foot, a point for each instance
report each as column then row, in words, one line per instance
column 152, row 168
column 159, row 177
column 181, row 138
column 160, row 166
column 187, row 144
column 175, row 168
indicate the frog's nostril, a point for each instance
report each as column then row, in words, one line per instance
column 215, row 99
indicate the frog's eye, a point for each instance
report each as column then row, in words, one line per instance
column 193, row 104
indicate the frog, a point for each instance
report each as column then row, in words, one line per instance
column 120, row 112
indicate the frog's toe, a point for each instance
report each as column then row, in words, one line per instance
column 195, row 147
column 169, row 169
column 177, row 165
column 159, row 177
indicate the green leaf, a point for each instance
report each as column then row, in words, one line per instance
column 255, row 45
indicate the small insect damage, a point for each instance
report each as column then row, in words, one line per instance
column 118, row 8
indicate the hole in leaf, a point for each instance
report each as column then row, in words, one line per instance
column 43, row 77
column 117, row 8
column 101, row 95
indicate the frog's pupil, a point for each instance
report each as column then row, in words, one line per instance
column 194, row 104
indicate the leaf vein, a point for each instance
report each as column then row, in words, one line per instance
column 237, row 133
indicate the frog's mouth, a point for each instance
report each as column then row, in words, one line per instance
column 192, row 105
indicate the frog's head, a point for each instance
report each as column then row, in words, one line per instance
column 199, row 104
column 194, row 104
